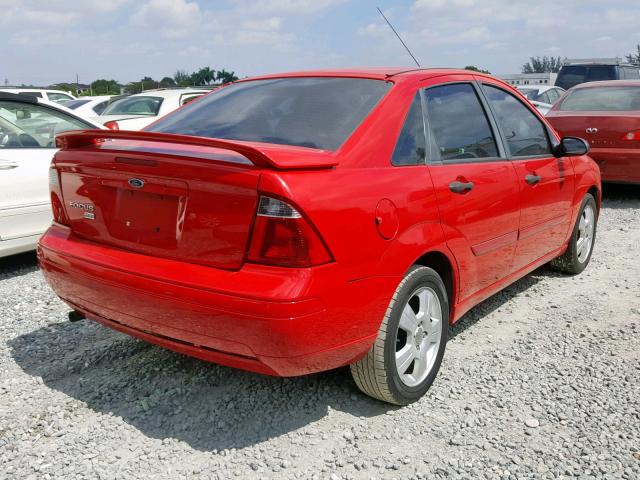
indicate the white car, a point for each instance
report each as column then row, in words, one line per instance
column 137, row 111
column 28, row 127
column 89, row 107
column 541, row 96
column 57, row 96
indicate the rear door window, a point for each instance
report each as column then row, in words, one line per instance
column 523, row 131
column 411, row 146
column 458, row 124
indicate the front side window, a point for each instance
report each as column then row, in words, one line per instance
column 524, row 132
column 459, row 126
column 313, row 112
column 410, row 148
column 602, row 99
column 33, row 126
column 135, row 105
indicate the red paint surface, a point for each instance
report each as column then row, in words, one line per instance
column 168, row 262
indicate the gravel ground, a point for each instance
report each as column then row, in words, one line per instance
column 540, row 381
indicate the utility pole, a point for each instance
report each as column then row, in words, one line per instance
column 77, row 84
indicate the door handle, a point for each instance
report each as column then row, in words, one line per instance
column 7, row 165
column 532, row 179
column 461, row 187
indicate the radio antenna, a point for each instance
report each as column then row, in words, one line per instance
column 399, row 38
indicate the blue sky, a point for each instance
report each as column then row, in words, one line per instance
column 50, row 41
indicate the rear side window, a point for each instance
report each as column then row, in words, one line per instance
column 602, row 99
column 460, row 129
column 314, row 112
column 524, row 132
column 571, row 75
column 599, row 73
column 99, row 108
column 411, row 149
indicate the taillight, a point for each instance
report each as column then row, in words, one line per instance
column 57, row 206
column 283, row 237
column 113, row 125
column 632, row 135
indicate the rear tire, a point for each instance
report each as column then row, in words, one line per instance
column 582, row 240
column 406, row 356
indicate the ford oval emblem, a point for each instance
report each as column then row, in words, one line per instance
column 136, row 182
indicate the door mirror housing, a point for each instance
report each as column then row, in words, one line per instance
column 571, row 147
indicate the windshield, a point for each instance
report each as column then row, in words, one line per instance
column 73, row 104
column 596, row 99
column 314, row 112
column 135, row 105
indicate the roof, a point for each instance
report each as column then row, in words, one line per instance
column 376, row 73
column 609, row 83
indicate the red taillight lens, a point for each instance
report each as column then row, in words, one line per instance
column 632, row 135
column 282, row 237
column 59, row 215
column 113, row 125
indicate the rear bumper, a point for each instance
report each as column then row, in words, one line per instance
column 264, row 319
column 618, row 164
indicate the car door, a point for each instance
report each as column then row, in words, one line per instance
column 26, row 149
column 546, row 183
column 476, row 186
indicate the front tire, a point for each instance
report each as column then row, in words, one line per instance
column 406, row 356
column 582, row 240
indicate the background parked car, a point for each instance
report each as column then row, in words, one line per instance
column 542, row 97
column 137, row 111
column 575, row 72
column 607, row 115
column 89, row 106
column 57, row 96
column 28, row 126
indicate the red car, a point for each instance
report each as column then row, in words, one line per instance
column 290, row 224
column 607, row 115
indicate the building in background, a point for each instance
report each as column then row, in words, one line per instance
column 516, row 79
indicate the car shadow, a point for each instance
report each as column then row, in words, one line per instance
column 16, row 265
column 620, row 195
column 167, row 395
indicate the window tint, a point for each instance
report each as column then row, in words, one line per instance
column 571, row 75
column 553, row 94
column 460, row 129
column 524, row 132
column 309, row 112
column 73, row 104
column 410, row 148
column 31, row 94
column 99, row 108
column 603, row 72
column 33, row 126
column 188, row 98
column 135, row 105
column 602, row 99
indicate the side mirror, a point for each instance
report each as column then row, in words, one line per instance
column 571, row 147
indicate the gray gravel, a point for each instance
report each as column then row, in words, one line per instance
column 540, row 381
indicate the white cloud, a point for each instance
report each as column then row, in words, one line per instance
column 156, row 13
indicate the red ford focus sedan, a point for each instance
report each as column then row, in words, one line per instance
column 607, row 115
column 290, row 224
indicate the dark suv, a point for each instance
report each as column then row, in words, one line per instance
column 576, row 72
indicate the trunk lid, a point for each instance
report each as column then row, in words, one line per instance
column 183, row 198
column 600, row 129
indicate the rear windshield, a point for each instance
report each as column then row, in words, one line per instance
column 308, row 112
column 573, row 75
column 530, row 93
column 596, row 99
column 73, row 104
column 135, row 105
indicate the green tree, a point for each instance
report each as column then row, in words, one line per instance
column 167, row 82
column 182, row 78
column 225, row 77
column 543, row 65
column 105, row 87
column 476, row 69
column 634, row 58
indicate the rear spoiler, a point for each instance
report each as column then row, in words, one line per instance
column 260, row 154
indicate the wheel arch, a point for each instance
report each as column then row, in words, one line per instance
column 444, row 266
